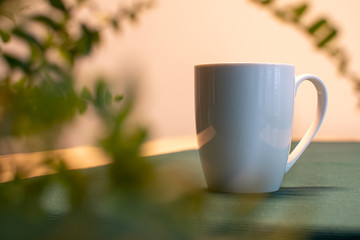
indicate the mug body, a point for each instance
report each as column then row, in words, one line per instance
column 244, row 118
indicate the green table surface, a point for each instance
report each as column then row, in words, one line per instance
column 319, row 198
column 320, row 195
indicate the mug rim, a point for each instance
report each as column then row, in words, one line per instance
column 243, row 64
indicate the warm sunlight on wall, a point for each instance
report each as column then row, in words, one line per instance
column 175, row 35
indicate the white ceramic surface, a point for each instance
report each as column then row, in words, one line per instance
column 244, row 121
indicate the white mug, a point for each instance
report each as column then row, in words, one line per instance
column 244, row 121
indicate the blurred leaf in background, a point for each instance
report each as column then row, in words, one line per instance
column 322, row 31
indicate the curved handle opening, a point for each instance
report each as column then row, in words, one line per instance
column 319, row 116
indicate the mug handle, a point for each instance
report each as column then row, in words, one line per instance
column 315, row 125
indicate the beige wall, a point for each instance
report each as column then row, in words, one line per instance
column 176, row 34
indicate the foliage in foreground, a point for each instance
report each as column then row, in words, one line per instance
column 37, row 97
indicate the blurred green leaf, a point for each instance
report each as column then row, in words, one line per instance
column 327, row 38
column 26, row 36
column 264, row 2
column 299, row 11
column 129, row 172
column 85, row 98
column 86, row 94
column 47, row 21
column 68, row 54
column 4, row 36
column 87, row 40
column 115, row 23
column 36, row 55
column 313, row 28
column 58, row 70
column 82, row 106
column 58, row 4
column 118, row 98
column 102, row 96
column 132, row 15
column 30, row 109
column 15, row 62
column 322, row 31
